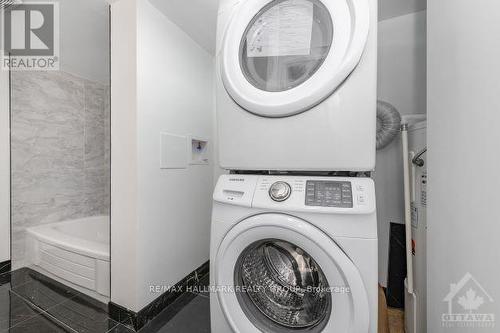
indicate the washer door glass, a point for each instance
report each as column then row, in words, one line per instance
column 285, row 44
column 283, row 287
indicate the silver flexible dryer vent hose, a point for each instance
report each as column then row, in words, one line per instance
column 388, row 123
column 8, row 3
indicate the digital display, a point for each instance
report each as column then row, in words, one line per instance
column 329, row 194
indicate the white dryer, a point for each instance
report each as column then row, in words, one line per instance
column 296, row 84
column 293, row 254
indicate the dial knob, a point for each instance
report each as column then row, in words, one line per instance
column 280, row 191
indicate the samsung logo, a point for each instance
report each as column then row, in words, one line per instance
column 236, row 179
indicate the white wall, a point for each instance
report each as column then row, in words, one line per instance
column 84, row 38
column 463, row 137
column 4, row 168
column 165, row 213
column 174, row 95
column 401, row 82
column 124, row 217
column 198, row 18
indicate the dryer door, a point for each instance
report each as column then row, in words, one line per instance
column 282, row 57
column 276, row 273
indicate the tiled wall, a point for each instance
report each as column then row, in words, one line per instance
column 60, row 151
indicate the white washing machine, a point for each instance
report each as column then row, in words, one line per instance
column 292, row 253
column 296, row 84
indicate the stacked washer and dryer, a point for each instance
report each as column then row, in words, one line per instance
column 294, row 228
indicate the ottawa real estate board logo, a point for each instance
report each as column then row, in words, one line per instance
column 29, row 35
column 468, row 304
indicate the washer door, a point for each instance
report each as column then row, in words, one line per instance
column 276, row 273
column 282, row 57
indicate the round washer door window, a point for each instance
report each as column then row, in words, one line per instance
column 286, row 43
column 284, row 284
column 278, row 273
column 282, row 57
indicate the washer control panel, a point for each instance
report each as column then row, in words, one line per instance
column 328, row 194
column 298, row 193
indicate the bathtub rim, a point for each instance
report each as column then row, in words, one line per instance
column 46, row 233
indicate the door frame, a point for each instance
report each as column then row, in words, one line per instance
column 5, row 223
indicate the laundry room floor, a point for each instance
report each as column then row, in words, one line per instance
column 396, row 320
column 32, row 302
column 190, row 313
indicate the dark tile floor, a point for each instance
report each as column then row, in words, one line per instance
column 190, row 313
column 32, row 302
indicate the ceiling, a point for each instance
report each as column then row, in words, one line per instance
column 198, row 18
column 393, row 8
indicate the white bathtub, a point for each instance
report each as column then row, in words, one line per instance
column 74, row 251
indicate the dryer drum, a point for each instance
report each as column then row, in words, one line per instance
column 285, row 284
column 283, row 67
column 388, row 123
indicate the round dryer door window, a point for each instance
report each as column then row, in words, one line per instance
column 277, row 273
column 283, row 57
column 285, row 44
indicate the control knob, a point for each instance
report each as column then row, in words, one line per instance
column 280, row 191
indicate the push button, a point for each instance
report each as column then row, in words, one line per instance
column 360, row 188
column 362, row 199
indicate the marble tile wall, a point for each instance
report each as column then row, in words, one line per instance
column 60, row 151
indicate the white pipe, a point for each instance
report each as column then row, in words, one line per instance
column 412, row 177
column 407, row 200
column 410, row 313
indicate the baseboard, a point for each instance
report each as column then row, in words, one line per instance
column 5, row 266
column 137, row 320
